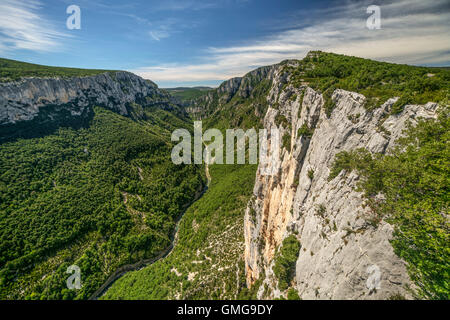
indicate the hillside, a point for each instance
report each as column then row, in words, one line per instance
column 13, row 70
column 38, row 106
column 185, row 94
column 207, row 261
column 324, row 72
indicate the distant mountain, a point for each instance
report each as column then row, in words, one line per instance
column 188, row 88
column 186, row 94
column 12, row 70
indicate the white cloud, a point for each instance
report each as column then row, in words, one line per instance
column 159, row 34
column 413, row 31
column 183, row 5
column 21, row 27
column 164, row 28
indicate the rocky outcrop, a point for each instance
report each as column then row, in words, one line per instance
column 242, row 87
column 49, row 98
column 340, row 248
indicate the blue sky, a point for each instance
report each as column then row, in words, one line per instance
column 204, row 42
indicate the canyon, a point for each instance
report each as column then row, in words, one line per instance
column 320, row 106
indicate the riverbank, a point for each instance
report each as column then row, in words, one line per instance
column 146, row 262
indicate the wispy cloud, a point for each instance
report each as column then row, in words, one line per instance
column 182, row 5
column 159, row 28
column 159, row 34
column 413, row 31
column 22, row 27
column 164, row 28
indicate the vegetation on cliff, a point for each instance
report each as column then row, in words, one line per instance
column 377, row 81
column 284, row 267
column 414, row 183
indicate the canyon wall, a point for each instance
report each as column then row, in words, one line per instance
column 48, row 100
column 329, row 218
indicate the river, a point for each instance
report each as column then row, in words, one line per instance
column 146, row 262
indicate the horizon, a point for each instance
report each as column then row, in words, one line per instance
column 240, row 76
column 193, row 43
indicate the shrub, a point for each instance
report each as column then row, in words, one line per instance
column 349, row 160
column 311, row 174
column 281, row 120
column 292, row 294
column 287, row 141
column 304, row 130
column 284, row 268
column 321, row 210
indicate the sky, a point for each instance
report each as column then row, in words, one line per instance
column 190, row 43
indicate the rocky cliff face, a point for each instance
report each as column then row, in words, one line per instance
column 329, row 218
column 242, row 87
column 46, row 99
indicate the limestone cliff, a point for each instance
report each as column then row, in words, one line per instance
column 234, row 88
column 47, row 100
column 329, row 218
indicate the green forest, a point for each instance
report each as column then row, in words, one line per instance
column 187, row 94
column 98, row 197
column 207, row 261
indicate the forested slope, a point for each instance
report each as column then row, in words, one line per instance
column 207, row 261
column 97, row 197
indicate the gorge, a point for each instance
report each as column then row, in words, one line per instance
column 343, row 201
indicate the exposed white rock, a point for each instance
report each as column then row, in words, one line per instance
column 338, row 245
column 23, row 100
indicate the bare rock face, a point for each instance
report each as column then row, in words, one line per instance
column 340, row 249
column 24, row 100
column 243, row 87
